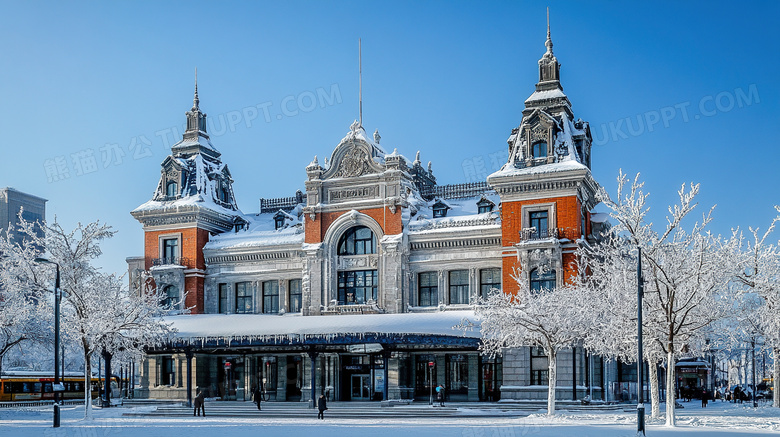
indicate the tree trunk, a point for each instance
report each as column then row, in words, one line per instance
column 671, row 397
column 552, row 380
column 775, row 374
column 655, row 401
column 87, row 388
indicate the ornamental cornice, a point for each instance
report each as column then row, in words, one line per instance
column 493, row 219
column 453, row 244
column 249, row 257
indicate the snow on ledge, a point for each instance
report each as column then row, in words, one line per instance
column 257, row 325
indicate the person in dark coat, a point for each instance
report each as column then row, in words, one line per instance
column 705, row 397
column 321, row 407
column 198, row 403
column 257, row 394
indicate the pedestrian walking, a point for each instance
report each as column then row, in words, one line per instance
column 321, row 407
column 199, row 404
column 705, row 397
column 440, row 395
column 257, row 394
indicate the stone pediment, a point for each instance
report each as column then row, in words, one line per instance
column 353, row 157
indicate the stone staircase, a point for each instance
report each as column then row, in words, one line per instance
column 354, row 410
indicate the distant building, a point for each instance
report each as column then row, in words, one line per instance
column 352, row 286
column 11, row 201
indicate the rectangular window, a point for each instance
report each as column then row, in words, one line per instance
column 357, row 287
column 428, row 294
column 295, row 295
column 539, row 367
column 271, row 297
column 167, row 371
column 459, row 286
column 243, row 298
column 538, row 221
column 223, row 298
column 489, row 279
column 170, row 250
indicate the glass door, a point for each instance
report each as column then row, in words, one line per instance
column 361, row 388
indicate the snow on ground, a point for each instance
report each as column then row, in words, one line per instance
column 720, row 419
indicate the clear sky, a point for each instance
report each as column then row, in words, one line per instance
column 93, row 94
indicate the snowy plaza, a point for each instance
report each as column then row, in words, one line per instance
column 719, row 419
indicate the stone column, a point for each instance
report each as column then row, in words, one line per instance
column 392, row 277
column 313, row 281
column 281, row 378
column 473, row 363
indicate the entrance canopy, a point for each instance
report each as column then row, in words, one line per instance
column 209, row 331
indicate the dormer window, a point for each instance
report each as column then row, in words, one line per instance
column 171, row 189
column 484, row 205
column 222, row 193
column 440, row 209
column 539, row 149
column 280, row 218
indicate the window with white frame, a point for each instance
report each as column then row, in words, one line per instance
column 271, row 297
column 459, row 286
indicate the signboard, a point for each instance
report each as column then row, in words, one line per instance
column 379, row 382
column 356, row 367
column 367, row 348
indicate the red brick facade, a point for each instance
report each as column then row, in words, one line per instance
column 191, row 242
column 568, row 215
column 389, row 222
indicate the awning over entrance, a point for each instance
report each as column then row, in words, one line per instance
column 205, row 331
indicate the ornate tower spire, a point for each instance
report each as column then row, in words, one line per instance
column 549, row 68
column 196, row 101
column 547, row 43
column 196, row 120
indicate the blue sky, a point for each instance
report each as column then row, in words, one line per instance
column 91, row 94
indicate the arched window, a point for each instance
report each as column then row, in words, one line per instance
column 172, row 189
column 539, row 149
column 171, row 298
column 542, row 280
column 357, row 241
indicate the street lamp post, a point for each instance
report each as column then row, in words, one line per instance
column 640, row 407
column 430, row 382
column 57, row 296
column 755, row 386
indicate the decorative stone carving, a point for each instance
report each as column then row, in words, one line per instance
column 354, row 163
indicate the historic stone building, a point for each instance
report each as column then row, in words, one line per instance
column 352, row 286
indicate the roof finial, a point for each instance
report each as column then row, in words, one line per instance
column 360, row 80
column 548, row 43
column 196, row 101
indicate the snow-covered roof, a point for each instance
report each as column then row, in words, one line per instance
column 545, row 95
column 188, row 201
column 462, row 213
column 194, row 141
column 260, row 232
column 205, row 188
column 510, row 170
column 275, row 325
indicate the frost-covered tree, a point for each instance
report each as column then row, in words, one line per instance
column 97, row 311
column 759, row 273
column 24, row 312
column 546, row 318
column 609, row 294
column 686, row 272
